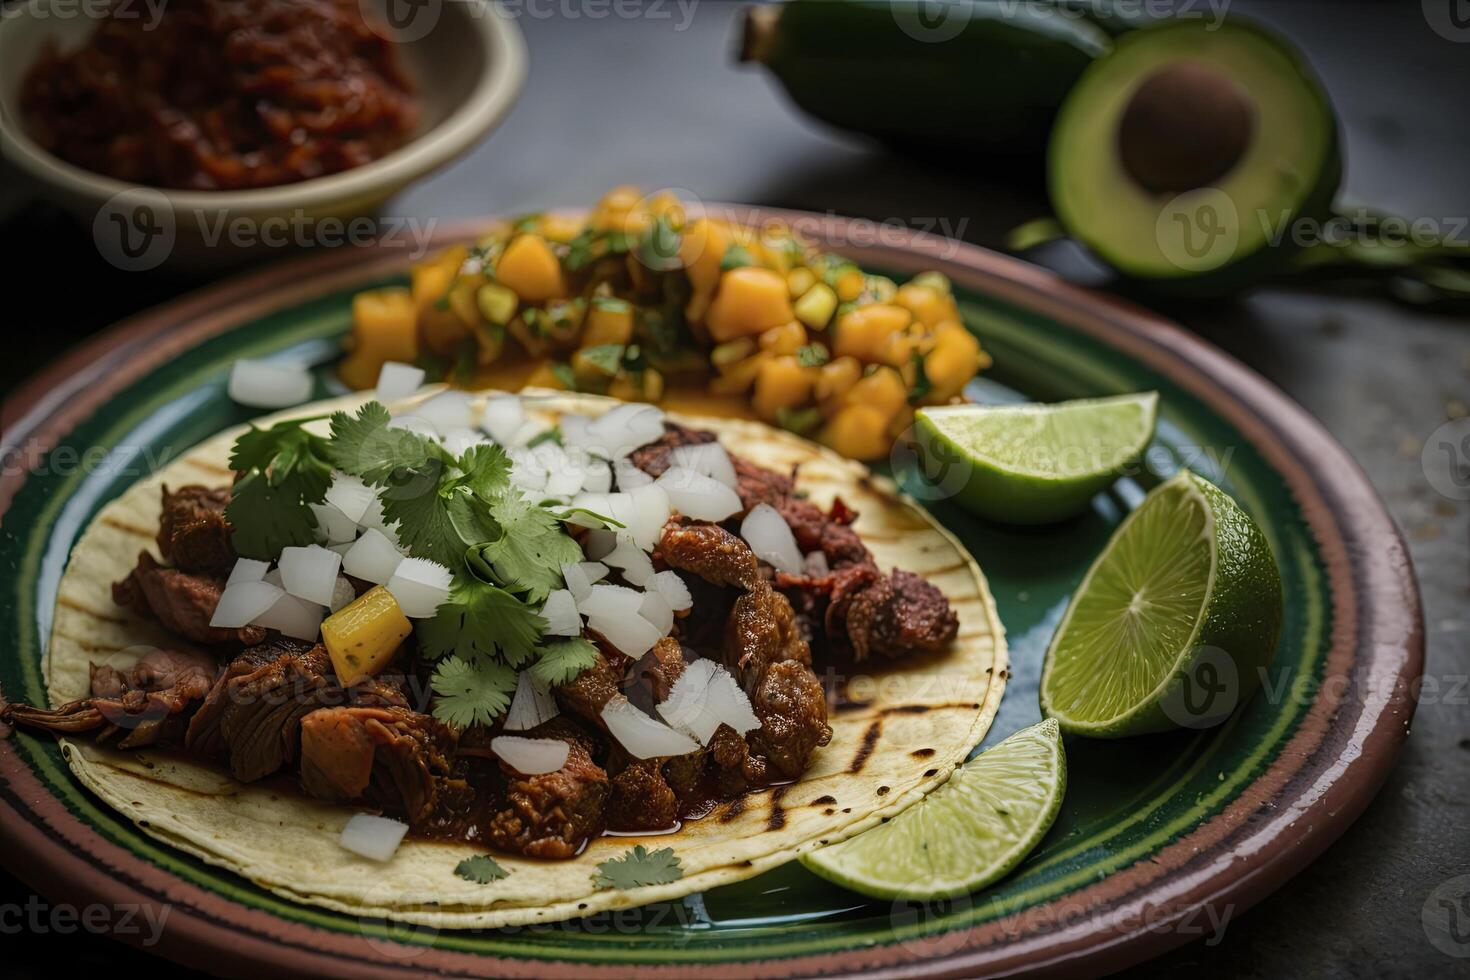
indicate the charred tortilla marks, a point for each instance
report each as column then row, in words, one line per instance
column 921, row 753
column 869, row 742
column 777, row 818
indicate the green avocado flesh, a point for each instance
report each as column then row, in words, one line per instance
column 1190, row 149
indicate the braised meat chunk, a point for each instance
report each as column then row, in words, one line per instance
column 253, row 713
column 554, row 814
column 193, row 533
column 587, row 693
column 391, row 757
column 709, row 551
column 762, row 631
column 183, row 602
column 146, row 704
column 895, row 616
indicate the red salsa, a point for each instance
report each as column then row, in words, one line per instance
column 224, row 95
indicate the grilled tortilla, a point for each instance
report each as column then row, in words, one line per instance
column 898, row 729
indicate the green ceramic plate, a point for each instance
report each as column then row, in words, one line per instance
column 1157, row 838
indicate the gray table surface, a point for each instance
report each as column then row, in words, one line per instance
column 658, row 102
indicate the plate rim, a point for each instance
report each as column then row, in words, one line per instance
column 1377, row 634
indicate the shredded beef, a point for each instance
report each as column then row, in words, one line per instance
column 146, row 704
column 193, row 532
column 709, row 551
column 182, row 601
column 391, row 757
column 554, row 814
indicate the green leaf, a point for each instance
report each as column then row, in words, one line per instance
column 529, row 554
column 638, row 868
column 812, row 355
column 285, row 469
column 365, row 446
column 564, row 375
column 481, row 869
column 736, row 255
column 606, row 358
column 922, row 385
column 801, row 421
column 482, row 619
column 561, row 660
column 658, row 249
column 472, row 692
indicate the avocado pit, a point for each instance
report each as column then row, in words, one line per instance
column 1186, row 126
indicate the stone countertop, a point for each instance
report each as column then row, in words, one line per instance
column 656, row 101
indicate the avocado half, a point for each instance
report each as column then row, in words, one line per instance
column 1184, row 155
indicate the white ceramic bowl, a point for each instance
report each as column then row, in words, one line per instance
column 468, row 65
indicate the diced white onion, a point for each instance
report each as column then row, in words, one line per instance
column 637, row 567
column 310, row 573
column 641, row 736
column 241, row 603
column 769, row 536
column 623, row 429
column 263, row 385
column 530, row 756
column 373, row 837
column 530, row 430
column 526, row 470
column 247, row 570
column 564, row 475
column 580, row 575
column 704, row 697
column 333, row 526
column 446, row 411
column 374, row 558
column 294, row 617
column 410, row 422
column 629, row 477
column 421, row 586
column 574, row 430
column 342, row 594
column 531, row 706
column 397, row 381
column 374, row 518
column 815, row 565
column 561, row 615
column 698, row 496
column 612, row 610
column 273, row 577
column 342, row 548
column 598, row 476
column 672, row 588
column 651, row 511
column 608, row 601
column 351, row 496
column 502, row 418
column 459, row 441
column 655, row 608
column 708, row 458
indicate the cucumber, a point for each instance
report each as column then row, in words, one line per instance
column 978, row 82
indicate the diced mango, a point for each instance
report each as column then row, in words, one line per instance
column 785, row 339
column 560, row 227
column 816, row 306
column 849, row 284
column 798, row 281
column 638, row 386
column 882, row 389
column 731, row 352
column 431, row 278
column 529, row 269
column 496, row 303
column 738, row 377
column 750, row 300
column 955, row 359
column 858, row 432
column 835, row 379
column 781, row 383
column 701, row 251
column 931, row 306
column 609, row 321
column 363, row 635
column 384, row 328
column 863, row 333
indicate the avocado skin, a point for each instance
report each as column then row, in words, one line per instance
column 1264, row 263
column 984, row 98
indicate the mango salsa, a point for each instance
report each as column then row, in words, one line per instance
column 363, row 635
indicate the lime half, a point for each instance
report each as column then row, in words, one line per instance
column 969, row 832
column 1174, row 624
column 1033, row 464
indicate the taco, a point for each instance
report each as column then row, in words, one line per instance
column 599, row 657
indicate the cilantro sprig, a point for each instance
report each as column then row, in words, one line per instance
column 284, row 470
column 481, row 869
column 637, row 868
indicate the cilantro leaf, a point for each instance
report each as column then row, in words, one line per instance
column 639, row 867
column 365, row 446
column 421, row 509
column 801, row 421
column 532, row 548
column 606, row 358
column 922, row 385
column 285, row 470
column 812, row 355
column 486, row 469
column 562, row 659
column 472, row 692
column 481, row 869
column 736, row 255
column 482, row 619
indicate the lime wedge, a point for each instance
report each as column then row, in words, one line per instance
column 1173, row 625
column 1033, row 464
column 969, row 832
